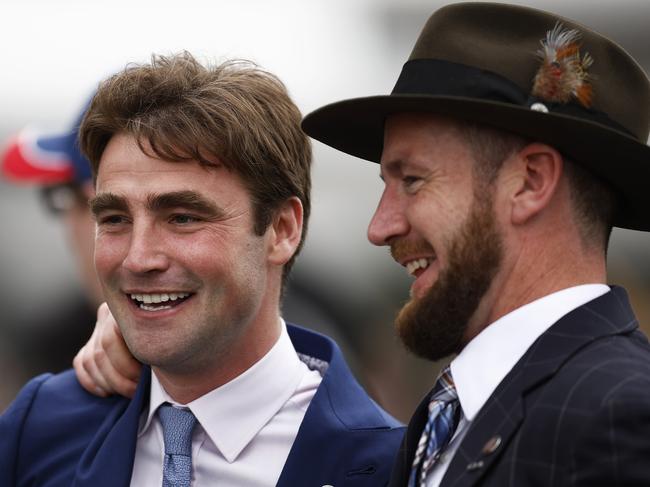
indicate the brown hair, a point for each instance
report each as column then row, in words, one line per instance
column 185, row 111
column 594, row 202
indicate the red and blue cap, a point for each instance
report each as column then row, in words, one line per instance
column 32, row 157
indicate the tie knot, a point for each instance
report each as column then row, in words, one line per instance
column 444, row 390
column 177, row 429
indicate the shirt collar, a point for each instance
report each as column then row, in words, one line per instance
column 487, row 359
column 234, row 413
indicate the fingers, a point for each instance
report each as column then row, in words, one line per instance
column 86, row 370
column 104, row 365
column 116, row 364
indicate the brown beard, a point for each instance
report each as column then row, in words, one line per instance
column 433, row 326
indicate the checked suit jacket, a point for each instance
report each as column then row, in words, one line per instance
column 574, row 411
column 56, row 435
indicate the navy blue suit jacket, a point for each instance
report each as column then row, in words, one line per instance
column 55, row 434
column 574, row 411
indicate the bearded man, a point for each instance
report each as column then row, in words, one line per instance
column 512, row 143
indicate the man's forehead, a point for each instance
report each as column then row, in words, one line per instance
column 125, row 150
column 415, row 141
column 156, row 175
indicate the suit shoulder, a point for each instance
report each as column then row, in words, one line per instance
column 42, row 396
column 52, row 413
column 610, row 446
column 612, row 365
column 61, row 394
column 609, row 375
column 60, row 400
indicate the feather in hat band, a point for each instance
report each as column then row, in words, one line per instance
column 563, row 74
column 445, row 78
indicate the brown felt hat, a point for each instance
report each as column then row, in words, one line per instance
column 484, row 62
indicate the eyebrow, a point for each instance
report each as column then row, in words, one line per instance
column 108, row 202
column 391, row 166
column 189, row 200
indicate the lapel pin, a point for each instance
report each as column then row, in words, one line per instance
column 491, row 445
column 475, row 466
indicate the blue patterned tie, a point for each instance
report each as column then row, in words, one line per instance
column 177, row 431
column 440, row 427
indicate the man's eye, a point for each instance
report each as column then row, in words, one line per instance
column 411, row 183
column 183, row 219
column 111, row 220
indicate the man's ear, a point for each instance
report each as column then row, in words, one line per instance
column 537, row 169
column 285, row 231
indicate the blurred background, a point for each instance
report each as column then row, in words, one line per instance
column 55, row 52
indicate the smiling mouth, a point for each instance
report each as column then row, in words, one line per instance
column 158, row 301
column 417, row 266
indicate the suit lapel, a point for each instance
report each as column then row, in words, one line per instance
column 307, row 463
column 499, row 419
column 325, row 451
column 304, row 465
column 406, row 454
column 108, row 460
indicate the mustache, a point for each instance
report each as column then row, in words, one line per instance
column 400, row 249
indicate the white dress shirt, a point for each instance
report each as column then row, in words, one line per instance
column 490, row 356
column 245, row 428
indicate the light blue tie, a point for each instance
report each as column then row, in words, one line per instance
column 439, row 429
column 177, row 431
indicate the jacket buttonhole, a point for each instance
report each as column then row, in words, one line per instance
column 369, row 470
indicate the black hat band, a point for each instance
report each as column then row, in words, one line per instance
column 445, row 78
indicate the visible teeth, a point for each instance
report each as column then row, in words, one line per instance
column 416, row 264
column 154, row 308
column 158, row 298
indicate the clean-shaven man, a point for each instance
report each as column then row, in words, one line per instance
column 202, row 179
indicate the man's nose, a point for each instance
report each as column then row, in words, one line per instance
column 389, row 220
column 146, row 250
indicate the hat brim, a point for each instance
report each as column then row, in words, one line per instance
column 41, row 160
column 356, row 127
